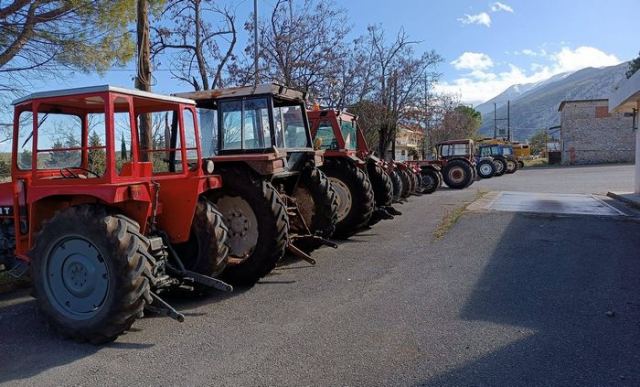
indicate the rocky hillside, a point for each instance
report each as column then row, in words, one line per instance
column 535, row 106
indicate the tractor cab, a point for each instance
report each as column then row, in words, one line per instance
column 334, row 131
column 105, row 224
column 263, row 123
column 502, row 154
column 275, row 198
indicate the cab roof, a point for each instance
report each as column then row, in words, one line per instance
column 268, row 88
column 101, row 89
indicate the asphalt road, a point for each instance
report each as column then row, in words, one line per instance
column 503, row 299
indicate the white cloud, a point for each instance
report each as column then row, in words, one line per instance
column 482, row 18
column 498, row 7
column 483, row 81
column 581, row 57
column 473, row 61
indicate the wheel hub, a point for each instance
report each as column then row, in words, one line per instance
column 344, row 197
column 242, row 223
column 76, row 278
column 456, row 175
column 485, row 169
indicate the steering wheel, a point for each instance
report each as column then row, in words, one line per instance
column 67, row 173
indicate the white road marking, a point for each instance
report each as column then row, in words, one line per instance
column 551, row 203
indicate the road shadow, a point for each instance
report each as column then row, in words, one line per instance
column 28, row 346
column 557, row 277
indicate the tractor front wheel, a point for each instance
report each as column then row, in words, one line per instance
column 382, row 185
column 397, row 185
column 355, row 196
column 88, row 273
column 429, row 181
column 512, row 167
column 406, row 184
column 318, row 205
column 458, row 174
column 206, row 250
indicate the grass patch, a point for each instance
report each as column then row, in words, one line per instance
column 451, row 217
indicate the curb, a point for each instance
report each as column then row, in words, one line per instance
column 621, row 197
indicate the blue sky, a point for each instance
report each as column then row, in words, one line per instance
column 487, row 45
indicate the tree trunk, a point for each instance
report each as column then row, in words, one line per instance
column 143, row 78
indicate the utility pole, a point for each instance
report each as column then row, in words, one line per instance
column 256, row 51
column 143, row 76
column 509, row 120
column 496, row 120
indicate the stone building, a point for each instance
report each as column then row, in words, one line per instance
column 590, row 134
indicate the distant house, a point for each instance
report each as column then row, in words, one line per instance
column 589, row 134
column 408, row 142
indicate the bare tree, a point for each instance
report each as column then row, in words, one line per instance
column 301, row 45
column 396, row 83
column 198, row 48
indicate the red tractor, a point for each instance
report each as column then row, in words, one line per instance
column 104, row 231
column 275, row 197
column 458, row 163
column 360, row 185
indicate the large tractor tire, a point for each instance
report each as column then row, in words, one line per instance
column 318, row 204
column 512, row 167
column 88, row 273
column 258, row 225
column 355, row 196
column 458, row 174
column 382, row 185
column 486, row 169
column 206, row 250
column 501, row 166
column 406, row 184
column 397, row 185
column 430, row 181
column 416, row 182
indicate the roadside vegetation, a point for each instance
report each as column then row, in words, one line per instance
column 451, row 217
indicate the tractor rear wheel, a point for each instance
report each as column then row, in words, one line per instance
column 501, row 166
column 355, row 196
column 458, row 174
column 318, row 204
column 397, row 185
column 512, row 167
column 382, row 185
column 206, row 250
column 406, row 184
column 88, row 273
column 258, row 225
column 486, row 169
column 429, row 181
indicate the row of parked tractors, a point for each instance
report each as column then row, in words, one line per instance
column 219, row 188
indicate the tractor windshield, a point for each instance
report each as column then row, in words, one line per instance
column 291, row 127
column 348, row 128
column 507, row 151
column 450, row 150
column 245, row 124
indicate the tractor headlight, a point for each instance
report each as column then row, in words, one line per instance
column 208, row 167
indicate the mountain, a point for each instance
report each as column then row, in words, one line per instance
column 535, row 105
